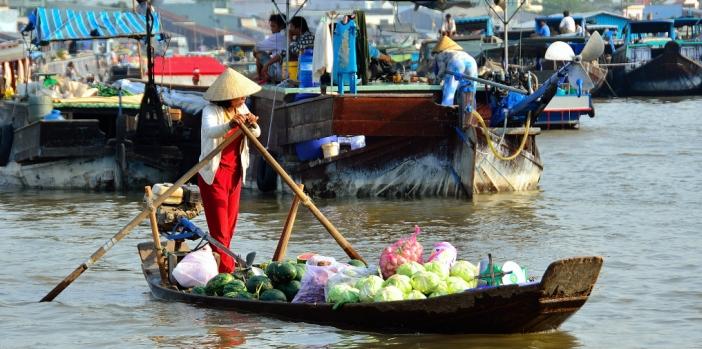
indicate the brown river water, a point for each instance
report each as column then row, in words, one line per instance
column 627, row 186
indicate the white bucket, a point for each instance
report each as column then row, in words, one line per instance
column 330, row 149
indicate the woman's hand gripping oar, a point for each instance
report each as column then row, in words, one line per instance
column 304, row 199
column 135, row 222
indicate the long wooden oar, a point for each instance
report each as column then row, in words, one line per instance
column 143, row 215
column 304, row 199
column 287, row 229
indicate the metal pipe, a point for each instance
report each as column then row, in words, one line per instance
column 489, row 82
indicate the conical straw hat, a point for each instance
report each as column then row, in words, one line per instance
column 229, row 85
column 446, row 44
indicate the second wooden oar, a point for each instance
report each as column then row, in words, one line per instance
column 135, row 222
column 304, row 199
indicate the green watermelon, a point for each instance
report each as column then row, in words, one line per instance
column 198, row 290
column 281, row 272
column 290, row 289
column 258, row 284
column 245, row 295
column 357, row 263
column 300, row 271
column 233, row 294
column 216, row 284
column 234, row 286
column 273, row 295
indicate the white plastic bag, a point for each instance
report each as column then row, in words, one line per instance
column 196, row 268
column 318, row 270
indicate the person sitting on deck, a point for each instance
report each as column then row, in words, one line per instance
column 567, row 25
column 451, row 59
column 272, row 45
column 448, row 27
column 544, row 30
column 301, row 38
column 220, row 181
column 71, row 72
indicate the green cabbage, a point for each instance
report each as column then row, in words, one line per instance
column 454, row 284
column 425, row 282
column 408, row 269
column 438, row 293
column 414, row 294
column 437, row 268
column 441, row 287
column 368, row 287
column 402, row 282
column 466, row 271
column 342, row 293
column 389, row 293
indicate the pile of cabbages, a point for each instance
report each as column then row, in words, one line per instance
column 405, row 277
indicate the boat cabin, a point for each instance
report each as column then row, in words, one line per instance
column 644, row 40
column 688, row 31
column 469, row 26
column 554, row 21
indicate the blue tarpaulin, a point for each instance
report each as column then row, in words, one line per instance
column 62, row 24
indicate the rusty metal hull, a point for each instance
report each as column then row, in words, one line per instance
column 668, row 74
column 532, row 307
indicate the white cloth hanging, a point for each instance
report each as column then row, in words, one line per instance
column 323, row 56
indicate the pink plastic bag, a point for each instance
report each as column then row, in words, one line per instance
column 404, row 250
column 443, row 253
column 318, row 270
column 196, row 268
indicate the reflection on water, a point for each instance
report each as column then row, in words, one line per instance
column 626, row 186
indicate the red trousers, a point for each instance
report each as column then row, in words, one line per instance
column 221, row 202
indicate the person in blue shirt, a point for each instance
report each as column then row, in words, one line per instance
column 451, row 59
column 544, row 30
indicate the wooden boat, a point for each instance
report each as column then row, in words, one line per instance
column 654, row 62
column 412, row 147
column 102, row 143
column 532, row 307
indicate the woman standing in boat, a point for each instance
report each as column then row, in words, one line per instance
column 220, row 181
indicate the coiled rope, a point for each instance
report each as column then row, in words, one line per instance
column 494, row 150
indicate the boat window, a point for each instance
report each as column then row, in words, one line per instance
column 692, row 52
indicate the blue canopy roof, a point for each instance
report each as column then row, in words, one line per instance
column 658, row 26
column 687, row 21
column 62, row 24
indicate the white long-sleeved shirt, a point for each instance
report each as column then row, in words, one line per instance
column 274, row 43
column 215, row 126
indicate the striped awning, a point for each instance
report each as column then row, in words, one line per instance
column 62, row 24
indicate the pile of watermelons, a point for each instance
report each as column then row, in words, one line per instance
column 280, row 284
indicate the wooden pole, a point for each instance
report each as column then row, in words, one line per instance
column 287, row 228
column 141, row 66
column 156, row 235
column 343, row 243
column 137, row 220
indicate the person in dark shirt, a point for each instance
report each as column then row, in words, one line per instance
column 301, row 38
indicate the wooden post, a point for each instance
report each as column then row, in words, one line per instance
column 141, row 66
column 287, row 228
column 343, row 243
column 156, row 236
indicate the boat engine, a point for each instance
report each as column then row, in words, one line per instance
column 185, row 202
